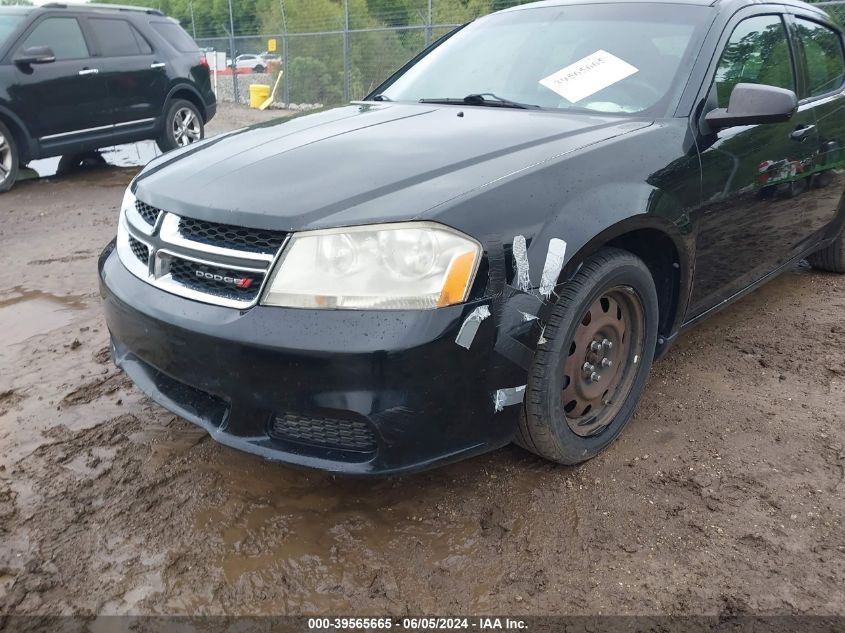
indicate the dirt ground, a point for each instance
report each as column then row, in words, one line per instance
column 723, row 496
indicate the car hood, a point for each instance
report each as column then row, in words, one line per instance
column 363, row 163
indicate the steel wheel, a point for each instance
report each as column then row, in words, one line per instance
column 187, row 128
column 591, row 368
column 602, row 362
column 6, row 158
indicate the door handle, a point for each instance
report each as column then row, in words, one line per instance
column 157, row 65
column 88, row 71
column 802, row 132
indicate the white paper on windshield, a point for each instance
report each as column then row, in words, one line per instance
column 589, row 75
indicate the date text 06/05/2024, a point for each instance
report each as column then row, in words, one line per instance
column 416, row 624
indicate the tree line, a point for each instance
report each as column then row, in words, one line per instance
column 210, row 18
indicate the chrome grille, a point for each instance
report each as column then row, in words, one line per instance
column 148, row 213
column 345, row 435
column 214, row 263
column 228, row 236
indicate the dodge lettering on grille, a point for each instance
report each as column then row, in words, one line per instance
column 238, row 282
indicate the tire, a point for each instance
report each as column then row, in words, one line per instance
column 70, row 163
column 832, row 258
column 9, row 159
column 183, row 126
column 610, row 283
column 259, row 69
column 822, row 179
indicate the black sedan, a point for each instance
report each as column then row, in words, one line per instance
column 495, row 245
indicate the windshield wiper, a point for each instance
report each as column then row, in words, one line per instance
column 483, row 99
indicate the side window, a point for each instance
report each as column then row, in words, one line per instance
column 757, row 53
column 62, row 35
column 823, row 52
column 118, row 38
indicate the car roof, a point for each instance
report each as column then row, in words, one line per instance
column 703, row 3
column 91, row 6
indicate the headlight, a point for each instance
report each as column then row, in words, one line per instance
column 404, row 266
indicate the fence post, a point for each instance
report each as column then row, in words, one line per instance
column 428, row 26
column 286, row 71
column 345, row 50
column 232, row 49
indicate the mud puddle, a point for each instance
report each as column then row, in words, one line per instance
column 131, row 155
column 28, row 313
column 293, row 523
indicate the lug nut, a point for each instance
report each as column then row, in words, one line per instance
column 594, row 377
column 588, row 368
column 607, row 344
column 606, row 362
column 595, row 346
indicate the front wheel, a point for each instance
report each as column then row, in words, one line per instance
column 587, row 378
column 183, row 126
column 9, row 159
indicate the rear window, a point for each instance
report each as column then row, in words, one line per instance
column 176, row 36
column 118, row 38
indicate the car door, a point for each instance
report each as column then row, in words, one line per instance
column 136, row 78
column 66, row 99
column 820, row 49
column 752, row 219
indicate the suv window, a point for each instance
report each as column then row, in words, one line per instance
column 118, row 38
column 757, row 53
column 175, row 36
column 823, row 52
column 62, row 35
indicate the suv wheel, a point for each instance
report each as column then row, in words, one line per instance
column 259, row 69
column 589, row 375
column 832, row 258
column 183, row 126
column 8, row 159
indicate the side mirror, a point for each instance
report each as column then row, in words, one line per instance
column 35, row 55
column 752, row 104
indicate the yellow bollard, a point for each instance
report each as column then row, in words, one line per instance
column 258, row 94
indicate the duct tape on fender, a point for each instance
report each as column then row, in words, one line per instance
column 520, row 308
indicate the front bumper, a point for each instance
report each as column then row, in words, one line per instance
column 369, row 392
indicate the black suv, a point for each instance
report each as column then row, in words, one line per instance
column 77, row 78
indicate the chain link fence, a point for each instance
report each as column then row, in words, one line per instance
column 347, row 52
column 326, row 68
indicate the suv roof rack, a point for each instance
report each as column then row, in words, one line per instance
column 93, row 5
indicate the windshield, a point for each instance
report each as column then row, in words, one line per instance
column 615, row 58
column 8, row 23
